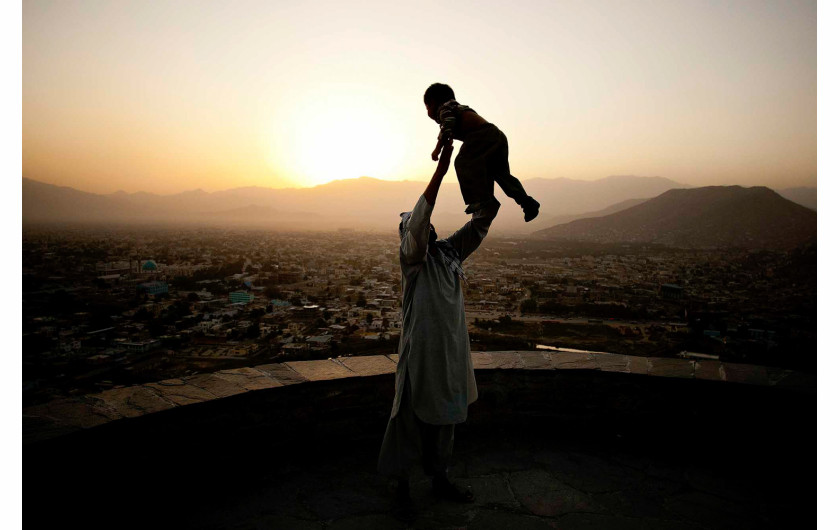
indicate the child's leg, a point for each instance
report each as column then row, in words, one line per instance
column 473, row 178
column 512, row 187
column 500, row 170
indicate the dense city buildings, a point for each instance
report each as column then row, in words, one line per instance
column 110, row 306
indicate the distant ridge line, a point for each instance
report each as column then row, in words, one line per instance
column 364, row 203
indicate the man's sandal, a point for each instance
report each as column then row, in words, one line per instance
column 403, row 506
column 451, row 492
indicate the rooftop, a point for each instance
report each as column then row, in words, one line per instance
column 556, row 439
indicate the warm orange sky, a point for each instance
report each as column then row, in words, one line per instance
column 170, row 96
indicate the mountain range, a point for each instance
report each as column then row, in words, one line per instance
column 364, row 203
column 713, row 216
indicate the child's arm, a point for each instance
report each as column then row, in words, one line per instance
column 446, row 118
column 436, row 152
column 440, row 145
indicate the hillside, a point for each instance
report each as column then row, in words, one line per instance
column 617, row 207
column 714, row 216
column 807, row 197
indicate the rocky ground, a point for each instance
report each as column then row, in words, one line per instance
column 522, row 480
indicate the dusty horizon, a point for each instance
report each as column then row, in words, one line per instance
column 164, row 98
column 451, row 179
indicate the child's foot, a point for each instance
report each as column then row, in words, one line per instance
column 476, row 206
column 531, row 208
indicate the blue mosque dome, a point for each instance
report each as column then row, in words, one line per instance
column 150, row 266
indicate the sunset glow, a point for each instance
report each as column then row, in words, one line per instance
column 171, row 96
column 337, row 132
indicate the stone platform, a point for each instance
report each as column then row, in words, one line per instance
column 556, row 440
column 522, row 479
column 67, row 415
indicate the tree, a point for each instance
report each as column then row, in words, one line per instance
column 155, row 327
column 528, row 306
column 361, row 301
column 142, row 314
column 369, row 318
column 254, row 330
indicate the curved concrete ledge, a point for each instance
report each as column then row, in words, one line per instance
column 68, row 415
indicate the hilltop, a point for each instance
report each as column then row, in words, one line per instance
column 714, row 216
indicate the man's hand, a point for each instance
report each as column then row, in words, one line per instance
column 445, row 157
column 442, row 167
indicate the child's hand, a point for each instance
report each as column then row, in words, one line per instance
column 436, row 152
column 441, row 145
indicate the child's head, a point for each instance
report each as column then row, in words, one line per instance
column 436, row 94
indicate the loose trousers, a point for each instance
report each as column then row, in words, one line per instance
column 409, row 440
column 481, row 161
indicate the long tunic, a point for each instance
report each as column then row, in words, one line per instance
column 434, row 344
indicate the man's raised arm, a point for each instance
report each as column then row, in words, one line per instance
column 467, row 239
column 415, row 238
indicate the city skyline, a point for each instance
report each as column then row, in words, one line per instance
column 169, row 98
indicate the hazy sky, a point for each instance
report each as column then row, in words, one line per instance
column 170, row 96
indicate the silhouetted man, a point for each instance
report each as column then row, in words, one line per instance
column 434, row 380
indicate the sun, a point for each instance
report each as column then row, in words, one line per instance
column 341, row 134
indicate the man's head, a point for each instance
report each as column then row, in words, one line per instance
column 434, row 96
column 404, row 217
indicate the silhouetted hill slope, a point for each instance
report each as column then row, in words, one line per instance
column 807, row 197
column 617, row 207
column 43, row 202
column 715, row 216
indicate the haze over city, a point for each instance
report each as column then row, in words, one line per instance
column 168, row 97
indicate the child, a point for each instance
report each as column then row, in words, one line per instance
column 482, row 159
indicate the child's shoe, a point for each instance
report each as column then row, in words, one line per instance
column 531, row 208
column 476, row 206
